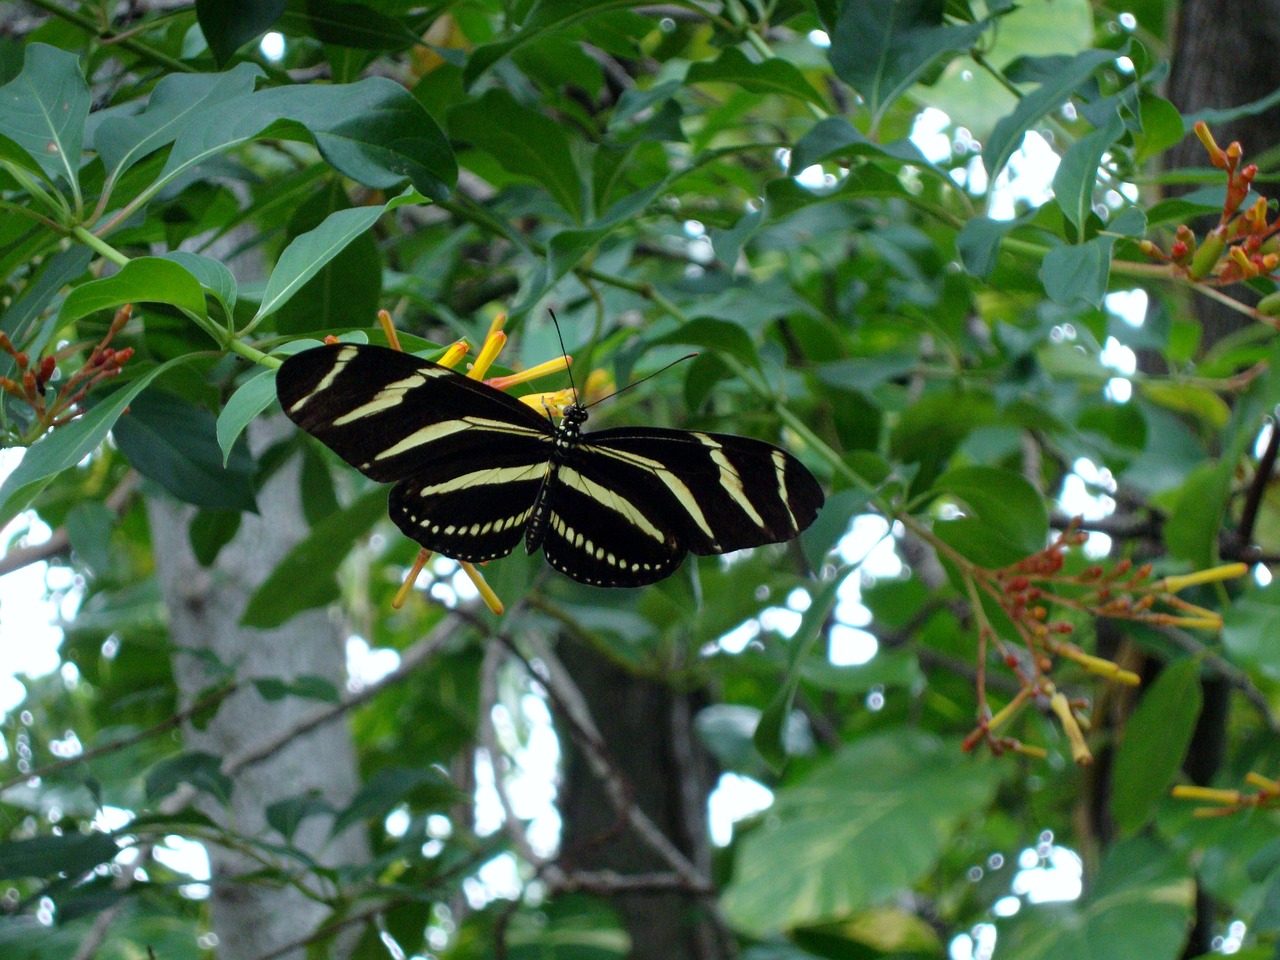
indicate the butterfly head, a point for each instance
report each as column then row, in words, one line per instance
column 575, row 413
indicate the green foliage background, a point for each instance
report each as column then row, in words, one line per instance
column 637, row 171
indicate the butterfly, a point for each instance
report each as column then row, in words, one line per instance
column 476, row 470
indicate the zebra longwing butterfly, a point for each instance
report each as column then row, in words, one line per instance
column 475, row 470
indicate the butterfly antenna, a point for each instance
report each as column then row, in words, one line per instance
column 636, row 383
column 568, row 366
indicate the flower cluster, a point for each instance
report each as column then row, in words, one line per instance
column 1242, row 246
column 1232, row 801
column 1032, row 590
column 32, row 383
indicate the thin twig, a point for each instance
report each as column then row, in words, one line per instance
column 204, row 703
column 1253, row 498
column 60, row 542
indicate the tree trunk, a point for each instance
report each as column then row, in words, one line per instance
column 648, row 730
column 1223, row 56
column 205, row 605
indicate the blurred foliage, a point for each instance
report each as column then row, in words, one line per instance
column 741, row 177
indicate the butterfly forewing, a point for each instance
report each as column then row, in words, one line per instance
column 388, row 413
column 722, row 492
column 470, row 459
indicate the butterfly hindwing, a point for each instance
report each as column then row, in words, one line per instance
column 607, row 523
column 473, row 511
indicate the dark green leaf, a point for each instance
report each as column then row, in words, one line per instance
column 304, row 579
column 228, row 25
column 1075, row 273
column 306, row 686
column 89, row 526
column 1005, row 518
column 177, row 101
column 770, row 736
column 174, row 443
column 767, row 76
column 545, row 16
column 1251, row 630
column 1077, row 174
column 213, row 276
column 71, row 854
column 373, row 131
column 195, row 768
column 1191, row 531
column 1051, row 94
column 386, row 789
column 357, row 25
column 43, row 110
column 881, row 47
column 143, row 280
column 247, row 402
column 524, row 142
column 836, row 137
column 720, row 335
column 210, row 531
column 1155, row 740
column 1162, row 127
column 285, row 816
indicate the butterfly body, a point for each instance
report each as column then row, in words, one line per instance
column 476, row 470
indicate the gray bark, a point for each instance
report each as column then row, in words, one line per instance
column 204, row 611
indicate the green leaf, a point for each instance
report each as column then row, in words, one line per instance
column 303, row 258
column 1075, row 273
column 173, row 443
column 526, row 142
column 304, row 579
column 1077, row 174
column 177, row 101
column 43, row 110
column 1251, row 630
column 287, row 815
column 385, row 790
column 357, row 25
column 143, row 280
column 768, row 76
column 836, row 137
column 228, row 25
column 251, row 399
column 881, row 47
column 1005, row 518
column 770, row 735
column 978, row 244
column 21, row 321
column 196, row 768
column 1192, row 528
column 1050, row 95
column 67, row 445
column 1162, row 127
column 855, row 831
column 306, row 687
column 719, row 335
column 545, row 16
column 72, row 854
column 89, row 525
column 1155, row 740
column 1139, row 906
column 373, row 131
column 210, row 531
column 864, row 374
column 212, row 274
